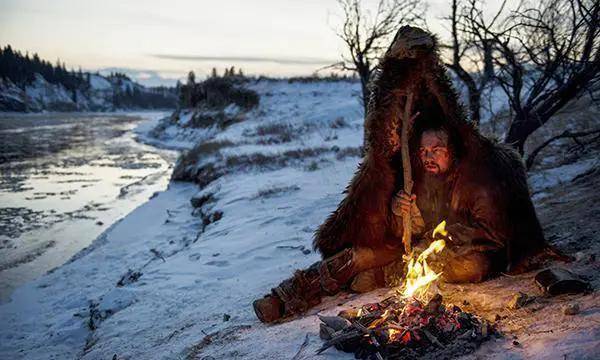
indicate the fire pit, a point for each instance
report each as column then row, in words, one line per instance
column 398, row 328
column 410, row 324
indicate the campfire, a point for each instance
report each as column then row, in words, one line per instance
column 412, row 323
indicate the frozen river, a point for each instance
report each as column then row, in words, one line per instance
column 64, row 179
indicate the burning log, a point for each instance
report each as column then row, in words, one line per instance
column 406, row 328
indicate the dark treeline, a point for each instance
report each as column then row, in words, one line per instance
column 21, row 70
column 151, row 98
column 126, row 94
column 217, row 91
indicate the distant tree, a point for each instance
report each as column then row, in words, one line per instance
column 471, row 55
column 546, row 53
column 213, row 73
column 187, row 91
column 191, row 79
column 21, row 69
column 240, row 73
column 367, row 34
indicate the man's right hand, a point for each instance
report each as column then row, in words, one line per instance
column 402, row 203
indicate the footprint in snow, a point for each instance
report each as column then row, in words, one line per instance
column 194, row 257
column 219, row 263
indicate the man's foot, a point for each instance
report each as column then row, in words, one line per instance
column 268, row 309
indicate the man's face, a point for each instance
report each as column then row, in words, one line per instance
column 434, row 153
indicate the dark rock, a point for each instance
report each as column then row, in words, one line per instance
column 226, row 317
column 129, row 278
column 519, row 300
column 571, row 309
column 335, row 322
column 325, row 332
column 555, row 281
column 199, row 200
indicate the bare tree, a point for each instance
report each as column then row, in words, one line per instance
column 366, row 34
column 546, row 53
column 470, row 56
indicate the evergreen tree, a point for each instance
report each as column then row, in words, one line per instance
column 191, row 80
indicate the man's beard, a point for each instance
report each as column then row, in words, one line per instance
column 433, row 181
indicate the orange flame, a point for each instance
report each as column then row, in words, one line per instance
column 419, row 275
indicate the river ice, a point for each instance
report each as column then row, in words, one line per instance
column 64, row 179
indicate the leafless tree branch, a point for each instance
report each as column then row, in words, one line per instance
column 366, row 33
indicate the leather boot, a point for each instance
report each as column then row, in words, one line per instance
column 306, row 288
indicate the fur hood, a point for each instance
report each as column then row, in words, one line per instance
column 363, row 218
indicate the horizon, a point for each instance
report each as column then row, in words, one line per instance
column 157, row 44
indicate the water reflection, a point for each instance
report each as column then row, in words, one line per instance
column 64, row 178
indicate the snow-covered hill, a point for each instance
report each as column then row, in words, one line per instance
column 176, row 278
column 103, row 94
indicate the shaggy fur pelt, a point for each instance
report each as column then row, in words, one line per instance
column 363, row 218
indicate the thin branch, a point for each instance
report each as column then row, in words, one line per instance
column 565, row 134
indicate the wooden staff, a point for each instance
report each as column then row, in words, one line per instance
column 407, row 122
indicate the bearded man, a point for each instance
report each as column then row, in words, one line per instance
column 477, row 185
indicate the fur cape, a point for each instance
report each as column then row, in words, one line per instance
column 363, row 218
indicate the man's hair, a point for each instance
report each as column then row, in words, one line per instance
column 454, row 143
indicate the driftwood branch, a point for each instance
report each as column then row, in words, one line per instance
column 565, row 134
column 302, row 347
column 407, row 121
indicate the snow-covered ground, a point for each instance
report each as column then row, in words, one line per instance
column 172, row 281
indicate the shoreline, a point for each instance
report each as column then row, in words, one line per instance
column 38, row 261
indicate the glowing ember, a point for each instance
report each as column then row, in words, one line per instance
column 419, row 275
column 405, row 325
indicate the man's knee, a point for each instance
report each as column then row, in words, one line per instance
column 470, row 268
column 368, row 258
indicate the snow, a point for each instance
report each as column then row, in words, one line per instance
column 100, row 83
column 552, row 177
column 42, row 95
column 194, row 273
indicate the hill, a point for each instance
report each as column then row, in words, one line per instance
column 30, row 84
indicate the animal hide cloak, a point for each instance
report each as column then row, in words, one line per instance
column 364, row 217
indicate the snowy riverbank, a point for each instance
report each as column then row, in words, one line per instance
column 173, row 281
column 64, row 179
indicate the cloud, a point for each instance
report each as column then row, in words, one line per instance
column 249, row 59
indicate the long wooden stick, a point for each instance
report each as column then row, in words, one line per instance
column 407, row 121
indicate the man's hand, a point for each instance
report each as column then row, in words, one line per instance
column 402, row 203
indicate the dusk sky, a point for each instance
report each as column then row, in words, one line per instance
column 157, row 40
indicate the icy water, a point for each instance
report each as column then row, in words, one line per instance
column 64, row 179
